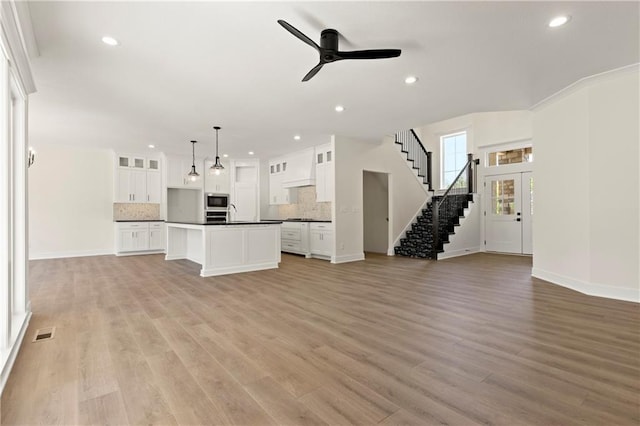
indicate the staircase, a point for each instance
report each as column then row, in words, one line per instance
column 420, row 240
column 418, row 157
column 442, row 214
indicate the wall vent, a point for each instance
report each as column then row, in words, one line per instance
column 44, row 334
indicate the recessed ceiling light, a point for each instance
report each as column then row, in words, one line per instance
column 225, row 155
column 411, row 79
column 339, row 108
column 296, row 137
column 559, row 21
column 110, row 41
column 250, row 152
column 151, row 146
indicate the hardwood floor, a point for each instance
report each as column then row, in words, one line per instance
column 470, row 340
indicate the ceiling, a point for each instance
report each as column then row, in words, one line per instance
column 183, row 67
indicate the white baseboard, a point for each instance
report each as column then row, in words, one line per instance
column 212, row 272
column 592, row 289
column 460, row 252
column 13, row 351
column 62, row 254
column 347, row 258
column 137, row 253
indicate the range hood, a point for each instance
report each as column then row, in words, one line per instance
column 301, row 170
column 299, row 182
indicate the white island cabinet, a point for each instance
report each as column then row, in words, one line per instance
column 225, row 248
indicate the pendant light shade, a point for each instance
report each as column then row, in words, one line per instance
column 217, row 167
column 193, row 174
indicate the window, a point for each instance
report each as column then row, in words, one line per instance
column 503, row 197
column 453, row 150
column 512, row 156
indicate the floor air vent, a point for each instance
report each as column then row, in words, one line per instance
column 44, row 334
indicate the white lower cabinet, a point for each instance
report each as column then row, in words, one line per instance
column 156, row 236
column 294, row 238
column 321, row 239
column 139, row 237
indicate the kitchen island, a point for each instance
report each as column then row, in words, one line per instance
column 225, row 248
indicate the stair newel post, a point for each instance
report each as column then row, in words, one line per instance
column 429, row 169
column 469, row 174
column 436, row 231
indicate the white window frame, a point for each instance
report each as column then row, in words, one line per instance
column 442, row 152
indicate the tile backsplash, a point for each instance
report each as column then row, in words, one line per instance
column 136, row 211
column 306, row 206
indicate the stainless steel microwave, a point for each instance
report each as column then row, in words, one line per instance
column 216, row 201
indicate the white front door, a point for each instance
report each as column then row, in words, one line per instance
column 527, row 212
column 503, row 221
column 508, row 215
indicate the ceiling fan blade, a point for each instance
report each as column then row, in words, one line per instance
column 370, row 54
column 293, row 30
column 313, row 72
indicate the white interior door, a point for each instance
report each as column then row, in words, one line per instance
column 503, row 220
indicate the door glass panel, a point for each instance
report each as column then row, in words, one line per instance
column 320, row 159
column 123, row 162
column 512, row 156
column 328, row 156
column 503, row 197
column 138, row 163
column 153, row 164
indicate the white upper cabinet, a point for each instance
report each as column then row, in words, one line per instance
column 128, row 161
column 177, row 170
column 153, row 164
column 279, row 171
column 154, row 187
column 216, row 184
column 137, row 179
column 324, row 173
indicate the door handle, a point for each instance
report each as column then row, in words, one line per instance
column 518, row 220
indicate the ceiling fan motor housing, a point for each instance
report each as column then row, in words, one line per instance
column 329, row 42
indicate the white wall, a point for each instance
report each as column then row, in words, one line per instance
column 483, row 129
column 71, row 202
column 466, row 240
column 185, row 204
column 375, row 212
column 352, row 157
column 586, row 148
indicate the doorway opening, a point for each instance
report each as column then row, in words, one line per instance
column 375, row 212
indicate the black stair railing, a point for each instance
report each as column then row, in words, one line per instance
column 446, row 205
column 411, row 145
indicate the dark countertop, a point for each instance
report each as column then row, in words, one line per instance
column 306, row 220
column 261, row 222
column 139, row 220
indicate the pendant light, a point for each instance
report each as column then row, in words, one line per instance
column 193, row 175
column 217, row 168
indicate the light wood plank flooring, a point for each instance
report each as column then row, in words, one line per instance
column 471, row 340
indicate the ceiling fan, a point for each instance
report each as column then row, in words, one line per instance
column 329, row 52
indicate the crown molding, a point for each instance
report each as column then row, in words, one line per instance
column 584, row 82
column 14, row 46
